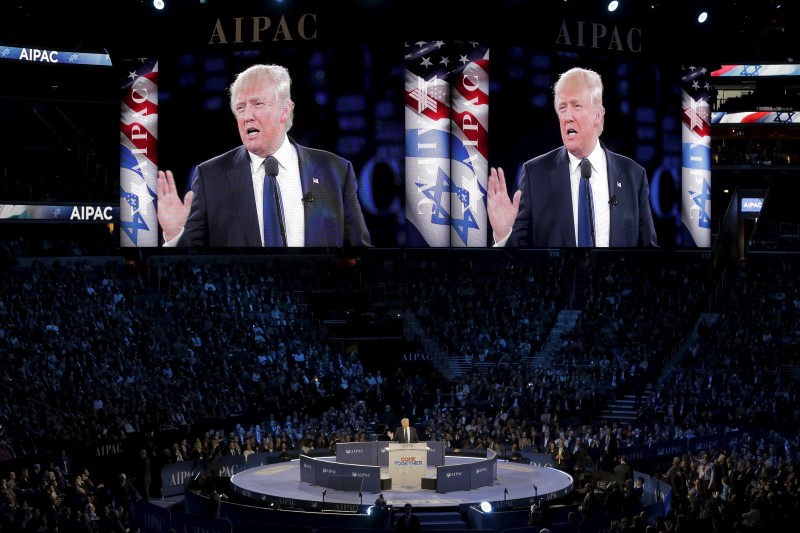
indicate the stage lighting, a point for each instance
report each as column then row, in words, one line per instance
column 486, row 507
column 158, row 4
column 613, row 5
column 702, row 17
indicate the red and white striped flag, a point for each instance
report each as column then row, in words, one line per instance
column 469, row 167
column 138, row 166
column 696, row 164
column 447, row 111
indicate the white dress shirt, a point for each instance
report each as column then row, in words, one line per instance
column 600, row 196
column 291, row 192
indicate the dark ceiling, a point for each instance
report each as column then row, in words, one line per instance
column 752, row 29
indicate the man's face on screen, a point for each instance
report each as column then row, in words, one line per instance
column 579, row 120
column 260, row 117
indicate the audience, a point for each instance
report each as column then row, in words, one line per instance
column 97, row 348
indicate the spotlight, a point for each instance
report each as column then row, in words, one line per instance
column 370, row 510
column 702, row 17
column 158, row 4
column 486, row 507
column 613, row 5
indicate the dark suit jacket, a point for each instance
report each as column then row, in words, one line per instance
column 400, row 436
column 412, row 525
column 545, row 212
column 623, row 471
column 224, row 212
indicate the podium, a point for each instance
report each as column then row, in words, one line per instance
column 408, row 464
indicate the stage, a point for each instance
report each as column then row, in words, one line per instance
column 516, row 485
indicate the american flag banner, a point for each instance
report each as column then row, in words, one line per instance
column 696, row 155
column 775, row 118
column 427, row 131
column 757, row 71
column 469, row 163
column 139, row 156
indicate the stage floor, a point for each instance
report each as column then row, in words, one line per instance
column 280, row 484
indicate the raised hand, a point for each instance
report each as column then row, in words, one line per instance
column 501, row 209
column 172, row 212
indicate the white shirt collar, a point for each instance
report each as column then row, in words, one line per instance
column 596, row 158
column 282, row 154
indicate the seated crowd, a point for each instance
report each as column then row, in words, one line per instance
column 120, row 349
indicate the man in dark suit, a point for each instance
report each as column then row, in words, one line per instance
column 544, row 211
column 270, row 191
column 407, row 521
column 405, row 433
column 610, row 445
column 623, row 471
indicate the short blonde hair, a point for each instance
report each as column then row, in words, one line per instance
column 582, row 77
column 277, row 75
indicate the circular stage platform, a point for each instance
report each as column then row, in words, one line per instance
column 517, row 485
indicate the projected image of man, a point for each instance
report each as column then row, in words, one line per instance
column 270, row 191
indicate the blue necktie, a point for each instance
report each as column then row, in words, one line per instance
column 585, row 212
column 274, row 234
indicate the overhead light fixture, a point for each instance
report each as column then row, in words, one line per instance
column 702, row 17
column 486, row 507
column 613, row 5
column 158, row 4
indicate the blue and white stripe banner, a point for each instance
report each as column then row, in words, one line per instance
column 41, row 55
column 139, row 156
column 427, row 128
column 757, row 71
column 446, row 124
column 469, row 163
column 696, row 159
column 93, row 213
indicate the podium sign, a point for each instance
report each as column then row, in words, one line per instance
column 357, row 453
column 408, row 464
column 453, row 478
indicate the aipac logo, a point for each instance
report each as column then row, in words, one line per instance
column 481, row 470
column 91, row 212
column 349, row 507
column 455, row 474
